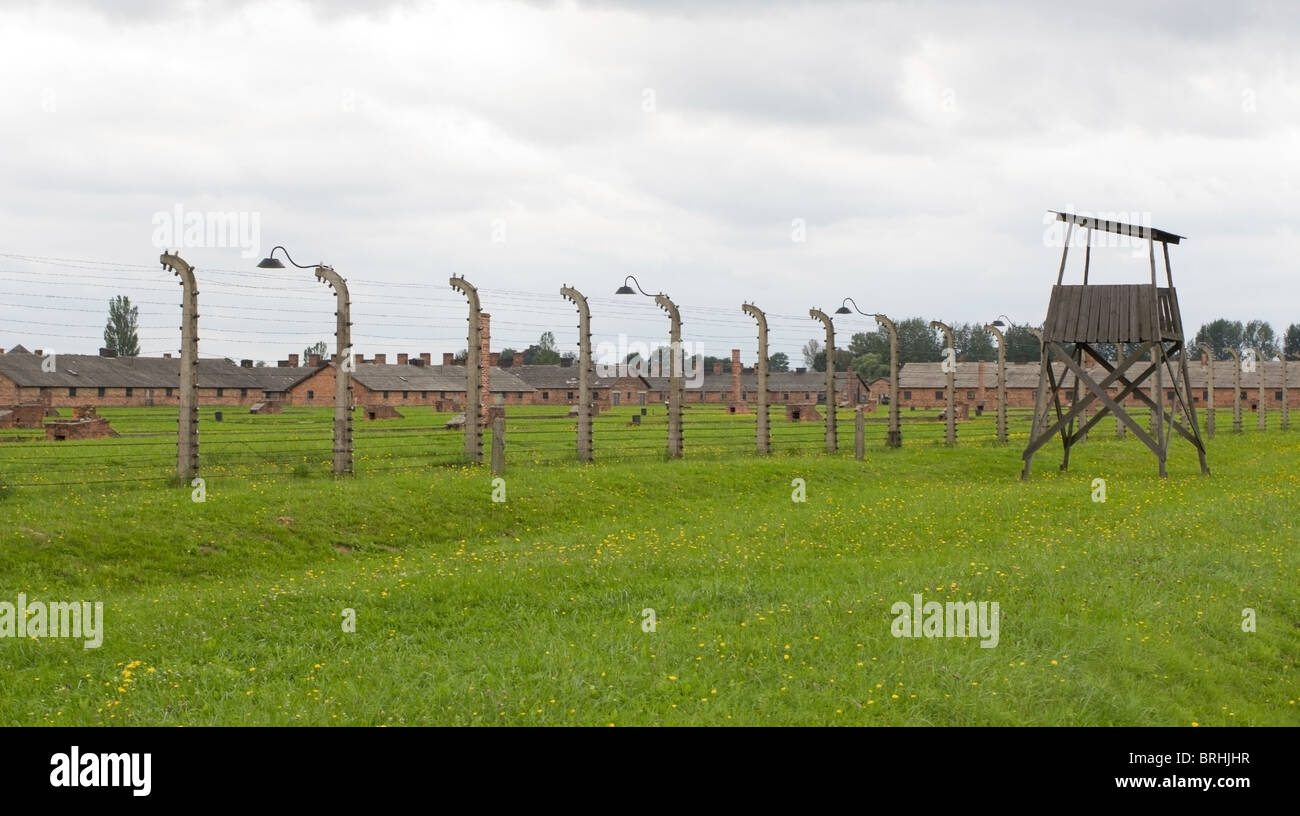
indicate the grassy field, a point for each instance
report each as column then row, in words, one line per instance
column 768, row 610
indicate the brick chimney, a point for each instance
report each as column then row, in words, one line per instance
column 358, row 358
column 167, row 355
column 313, row 360
column 980, row 370
column 293, row 361
column 737, row 399
column 426, row 358
column 402, row 358
column 448, row 358
column 717, row 368
column 381, row 359
column 566, row 362
column 38, row 353
column 485, row 370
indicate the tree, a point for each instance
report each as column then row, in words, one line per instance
column 1022, row 345
column 870, row 366
column 778, row 362
column 542, row 352
column 318, row 347
column 1291, row 342
column 1219, row 335
column 120, row 333
column 917, row 342
column 973, row 343
column 1260, row 335
column 843, row 360
column 710, row 361
column 810, row 351
column 507, row 357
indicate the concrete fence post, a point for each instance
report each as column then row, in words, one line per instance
column 831, row 441
column 675, row 384
column 1236, row 389
column 950, row 389
column 1286, row 396
column 584, row 370
column 473, row 375
column 1002, row 381
column 187, row 421
column 859, row 434
column 1120, row 428
column 762, row 433
column 1207, row 356
column 498, row 436
column 1263, row 401
column 894, row 437
column 343, row 367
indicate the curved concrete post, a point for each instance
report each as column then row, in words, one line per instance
column 817, row 314
column 1236, row 389
column 1002, row 381
column 950, row 393
column 894, row 438
column 584, row 370
column 1209, row 389
column 187, row 421
column 675, row 387
column 473, row 363
column 343, row 368
column 1263, row 401
column 763, row 434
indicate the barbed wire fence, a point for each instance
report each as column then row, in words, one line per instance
column 251, row 311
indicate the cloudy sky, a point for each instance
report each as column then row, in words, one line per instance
column 788, row 154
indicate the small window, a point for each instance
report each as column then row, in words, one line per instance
column 907, row 395
column 424, row 395
column 169, row 392
column 520, row 395
column 546, row 395
column 130, row 392
column 406, row 394
column 221, row 392
column 385, row 395
column 938, row 395
column 72, row 392
column 311, row 395
column 570, row 395
column 1277, row 395
column 442, row 395
column 100, row 390
column 243, row 392
column 970, row 395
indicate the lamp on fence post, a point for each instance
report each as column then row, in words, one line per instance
column 763, row 438
column 187, row 421
column 831, row 440
column 950, row 395
column 675, row 396
column 995, row 328
column 584, row 370
column 894, row 438
column 343, row 363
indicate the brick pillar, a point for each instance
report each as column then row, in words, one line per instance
column 980, row 373
column 448, row 358
column 485, row 369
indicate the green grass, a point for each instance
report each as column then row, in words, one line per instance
column 769, row 611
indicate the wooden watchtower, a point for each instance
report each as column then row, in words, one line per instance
column 1143, row 316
